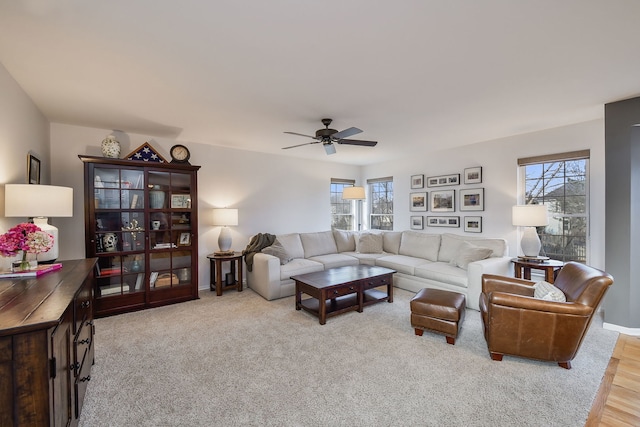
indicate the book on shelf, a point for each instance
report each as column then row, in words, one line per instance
column 37, row 272
column 115, row 288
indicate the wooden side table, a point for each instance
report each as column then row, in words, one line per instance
column 215, row 263
column 550, row 267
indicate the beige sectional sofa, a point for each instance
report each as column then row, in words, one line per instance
column 422, row 260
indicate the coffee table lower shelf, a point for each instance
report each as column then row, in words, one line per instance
column 334, row 306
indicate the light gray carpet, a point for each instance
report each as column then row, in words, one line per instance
column 239, row 360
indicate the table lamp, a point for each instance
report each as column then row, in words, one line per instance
column 530, row 217
column 39, row 202
column 358, row 194
column 225, row 217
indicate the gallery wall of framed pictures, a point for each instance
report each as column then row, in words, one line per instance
column 443, row 199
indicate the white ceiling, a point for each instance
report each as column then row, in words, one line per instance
column 415, row 75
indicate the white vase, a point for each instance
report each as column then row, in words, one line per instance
column 111, row 147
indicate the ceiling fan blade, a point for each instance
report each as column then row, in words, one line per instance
column 300, row 145
column 357, row 142
column 302, row 134
column 345, row 133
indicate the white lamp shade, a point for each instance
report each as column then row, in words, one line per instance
column 529, row 215
column 30, row 200
column 225, row 216
column 353, row 193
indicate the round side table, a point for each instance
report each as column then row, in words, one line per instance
column 550, row 267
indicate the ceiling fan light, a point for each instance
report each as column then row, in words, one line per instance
column 329, row 148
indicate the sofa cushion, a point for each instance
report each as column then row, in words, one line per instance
column 335, row 260
column 469, row 253
column 345, row 241
column 366, row 259
column 369, row 243
column 420, row 245
column 450, row 245
column 391, row 241
column 442, row 272
column 277, row 250
column 318, row 243
column 546, row 291
column 299, row 266
column 292, row 244
column 400, row 263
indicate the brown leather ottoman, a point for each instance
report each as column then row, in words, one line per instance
column 438, row 311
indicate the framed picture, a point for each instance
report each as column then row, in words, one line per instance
column 443, row 221
column 33, row 169
column 417, row 222
column 443, row 201
column 473, row 175
column 418, row 202
column 417, row 181
column 472, row 199
column 473, row 224
column 180, row 201
column 185, row 239
column 440, row 181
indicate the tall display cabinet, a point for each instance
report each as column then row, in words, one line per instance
column 141, row 222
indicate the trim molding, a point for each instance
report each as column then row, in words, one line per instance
column 635, row 332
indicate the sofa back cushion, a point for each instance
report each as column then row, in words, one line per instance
column 391, row 241
column 345, row 240
column 291, row 244
column 320, row 243
column 369, row 243
column 451, row 245
column 420, row 245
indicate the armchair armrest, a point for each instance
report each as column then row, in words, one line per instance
column 529, row 303
column 511, row 285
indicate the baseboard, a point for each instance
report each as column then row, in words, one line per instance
column 635, row 332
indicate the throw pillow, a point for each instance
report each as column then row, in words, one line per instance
column 277, row 250
column 546, row 291
column 369, row 243
column 469, row 253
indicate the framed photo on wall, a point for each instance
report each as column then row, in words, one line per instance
column 440, row 181
column 418, row 202
column 473, row 175
column 443, row 221
column 417, row 181
column 443, row 201
column 473, row 224
column 472, row 199
column 417, row 223
column 33, row 169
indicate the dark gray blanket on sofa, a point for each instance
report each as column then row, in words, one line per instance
column 256, row 244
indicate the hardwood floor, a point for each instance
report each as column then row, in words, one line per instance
column 618, row 400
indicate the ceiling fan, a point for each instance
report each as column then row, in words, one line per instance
column 328, row 136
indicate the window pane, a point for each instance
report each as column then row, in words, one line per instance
column 381, row 196
column 342, row 215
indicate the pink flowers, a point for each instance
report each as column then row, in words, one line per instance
column 25, row 237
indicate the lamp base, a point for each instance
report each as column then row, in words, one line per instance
column 52, row 254
column 530, row 242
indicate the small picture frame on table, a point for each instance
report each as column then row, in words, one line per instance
column 184, row 239
column 33, row 169
column 417, row 222
column 417, row 181
column 473, row 224
column 418, row 202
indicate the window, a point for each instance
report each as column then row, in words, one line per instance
column 342, row 212
column 381, row 200
column 561, row 182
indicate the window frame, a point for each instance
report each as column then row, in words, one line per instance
column 336, row 205
column 373, row 204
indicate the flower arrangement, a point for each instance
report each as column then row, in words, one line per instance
column 25, row 237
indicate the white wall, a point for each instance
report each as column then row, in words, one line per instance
column 498, row 159
column 274, row 194
column 23, row 130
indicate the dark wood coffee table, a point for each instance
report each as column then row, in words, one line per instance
column 338, row 290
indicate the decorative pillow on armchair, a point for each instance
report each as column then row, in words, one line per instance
column 546, row 291
column 277, row 250
column 469, row 253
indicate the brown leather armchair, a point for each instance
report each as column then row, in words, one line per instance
column 518, row 324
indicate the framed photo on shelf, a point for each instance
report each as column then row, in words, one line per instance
column 33, row 169
column 180, row 201
column 473, row 175
column 443, row 201
column 443, row 221
column 417, row 223
column 417, row 181
column 185, row 239
column 418, row 202
column 472, row 199
column 441, row 181
column 473, row 224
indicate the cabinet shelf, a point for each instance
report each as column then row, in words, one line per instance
column 130, row 207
